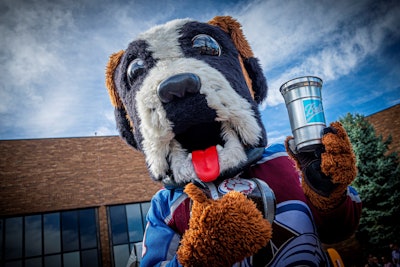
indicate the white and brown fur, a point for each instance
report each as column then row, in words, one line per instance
column 223, row 112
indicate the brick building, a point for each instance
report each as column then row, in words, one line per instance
column 387, row 122
column 62, row 200
column 82, row 201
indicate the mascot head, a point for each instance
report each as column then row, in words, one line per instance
column 186, row 94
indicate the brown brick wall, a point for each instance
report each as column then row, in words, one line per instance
column 45, row 175
column 55, row 174
column 387, row 122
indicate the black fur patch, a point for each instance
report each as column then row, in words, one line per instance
column 127, row 91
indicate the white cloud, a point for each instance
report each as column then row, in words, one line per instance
column 51, row 68
column 108, row 127
column 32, row 38
column 104, row 131
column 322, row 38
column 33, row 64
column 277, row 137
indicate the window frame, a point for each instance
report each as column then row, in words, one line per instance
column 144, row 208
column 43, row 256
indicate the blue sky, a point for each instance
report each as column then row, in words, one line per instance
column 53, row 56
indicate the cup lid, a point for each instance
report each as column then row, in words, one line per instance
column 301, row 81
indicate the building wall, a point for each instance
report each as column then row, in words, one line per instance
column 56, row 174
column 44, row 175
column 387, row 122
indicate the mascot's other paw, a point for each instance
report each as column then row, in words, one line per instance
column 338, row 160
column 222, row 232
column 329, row 169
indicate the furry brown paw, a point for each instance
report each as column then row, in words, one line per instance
column 222, row 232
column 328, row 170
column 338, row 160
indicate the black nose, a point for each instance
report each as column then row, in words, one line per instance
column 178, row 86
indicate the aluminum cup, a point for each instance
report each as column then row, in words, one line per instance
column 306, row 115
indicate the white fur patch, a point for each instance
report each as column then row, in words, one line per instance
column 163, row 39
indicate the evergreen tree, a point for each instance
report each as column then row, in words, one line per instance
column 378, row 183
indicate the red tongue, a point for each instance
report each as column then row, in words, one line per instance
column 205, row 163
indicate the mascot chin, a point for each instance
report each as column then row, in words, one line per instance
column 186, row 95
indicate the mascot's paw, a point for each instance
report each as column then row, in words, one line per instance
column 222, row 232
column 329, row 169
column 338, row 160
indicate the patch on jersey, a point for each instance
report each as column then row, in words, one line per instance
column 244, row 186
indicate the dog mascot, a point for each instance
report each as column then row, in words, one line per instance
column 186, row 94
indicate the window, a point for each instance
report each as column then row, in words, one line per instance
column 127, row 225
column 67, row 238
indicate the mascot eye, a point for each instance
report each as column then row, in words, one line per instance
column 135, row 68
column 206, row 45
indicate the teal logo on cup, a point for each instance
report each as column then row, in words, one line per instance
column 313, row 111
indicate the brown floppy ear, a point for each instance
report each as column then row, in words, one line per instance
column 251, row 68
column 110, row 69
column 124, row 124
